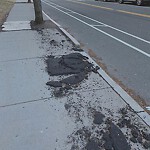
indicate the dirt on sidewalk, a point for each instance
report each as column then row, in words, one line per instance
column 5, row 7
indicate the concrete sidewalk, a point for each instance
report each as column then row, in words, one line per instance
column 40, row 110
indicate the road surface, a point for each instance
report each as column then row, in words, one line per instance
column 116, row 35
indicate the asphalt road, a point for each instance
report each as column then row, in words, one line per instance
column 117, row 36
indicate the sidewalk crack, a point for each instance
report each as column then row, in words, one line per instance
column 30, row 101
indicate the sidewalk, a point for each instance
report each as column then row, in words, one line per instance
column 48, row 105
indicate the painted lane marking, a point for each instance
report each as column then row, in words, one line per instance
column 113, row 37
column 132, row 13
column 108, row 8
column 146, row 41
column 96, row 6
column 98, row 25
column 16, row 25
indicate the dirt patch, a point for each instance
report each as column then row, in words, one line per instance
column 137, row 135
column 92, row 145
column 109, row 135
column 98, row 118
column 68, row 64
column 103, row 134
column 45, row 25
column 75, row 66
column 5, row 7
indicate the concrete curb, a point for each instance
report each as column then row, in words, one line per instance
column 125, row 96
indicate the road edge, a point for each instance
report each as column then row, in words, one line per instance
column 123, row 94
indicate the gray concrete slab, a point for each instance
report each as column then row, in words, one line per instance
column 104, row 100
column 23, row 81
column 55, row 122
column 19, row 45
column 39, row 125
column 16, row 25
column 29, row 44
column 21, row 1
column 21, row 12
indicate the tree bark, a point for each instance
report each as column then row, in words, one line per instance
column 38, row 11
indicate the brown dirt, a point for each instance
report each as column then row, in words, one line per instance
column 136, row 97
column 5, row 7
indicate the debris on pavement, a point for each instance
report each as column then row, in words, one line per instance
column 75, row 66
column 104, row 133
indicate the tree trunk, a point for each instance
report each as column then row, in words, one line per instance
column 38, row 11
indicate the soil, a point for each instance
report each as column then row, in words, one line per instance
column 45, row 25
column 75, row 65
column 98, row 118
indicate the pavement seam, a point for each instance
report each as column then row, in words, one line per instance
column 31, row 101
column 12, row 60
column 48, row 98
column 15, row 30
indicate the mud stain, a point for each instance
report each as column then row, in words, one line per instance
column 98, row 118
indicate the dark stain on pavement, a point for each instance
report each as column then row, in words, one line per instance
column 108, row 135
column 72, row 80
column 118, row 139
column 92, row 145
column 54, row 43
column 68, row 64
column 75, row 66
column 138, row 135
column 115, row 139
column 98, row 118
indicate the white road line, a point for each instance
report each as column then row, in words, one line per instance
column 113, row 37
column 146, row 41
column 99, row 25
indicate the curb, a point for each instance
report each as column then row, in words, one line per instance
column 125, row 96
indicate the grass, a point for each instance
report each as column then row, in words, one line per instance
column 5, row 6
